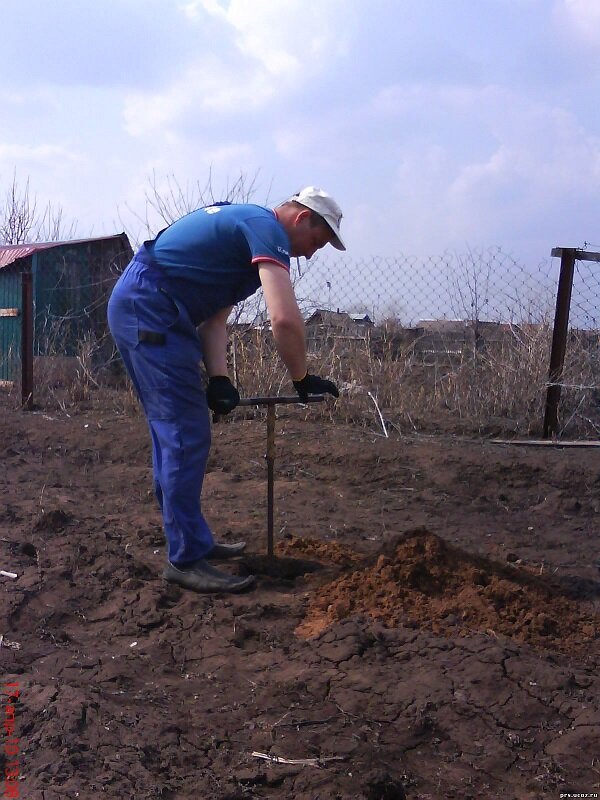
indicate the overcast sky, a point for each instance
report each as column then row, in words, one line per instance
column 436, row 124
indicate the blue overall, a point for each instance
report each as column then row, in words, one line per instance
column 168, row 289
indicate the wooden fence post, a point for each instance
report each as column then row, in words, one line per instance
column 568, row 256
column 27, row 340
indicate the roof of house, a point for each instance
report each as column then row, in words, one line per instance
column 9, row 253
column 324, row 317
column 442, row 325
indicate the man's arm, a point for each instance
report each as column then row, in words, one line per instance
column 286, row 320
column 213, row 335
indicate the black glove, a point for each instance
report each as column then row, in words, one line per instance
column 312, row 384
column 221, row 395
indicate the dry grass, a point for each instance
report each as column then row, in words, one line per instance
column 386, row 384
column 499, row 389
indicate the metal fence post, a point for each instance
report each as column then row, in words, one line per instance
column 27, row 340
column 559, row 337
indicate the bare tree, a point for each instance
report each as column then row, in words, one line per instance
column 472, row 285
column 166, row 200
column 21, row 220
column 19, row 214
column 52, row 226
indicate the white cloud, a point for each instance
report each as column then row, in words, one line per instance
column 290, row 39
column 13, row 98
column 280, row 46
column 194, row 9
column 462, row 138
column 41, row 153
column 204, row 88
column 457, row 98
column 581, row 18
column 470, row 161
column 565, row 157
column 229, row 155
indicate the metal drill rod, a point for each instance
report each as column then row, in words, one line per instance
column 270, row 477
column 271, row 402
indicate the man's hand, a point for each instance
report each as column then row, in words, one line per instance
column 312, row 384
column 221, row 395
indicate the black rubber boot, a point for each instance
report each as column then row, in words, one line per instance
column 202, row 577
column 223, row 551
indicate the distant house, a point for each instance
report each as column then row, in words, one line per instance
column 437, row 340
column 442, row 326
column 339, row 320
column 324, row 328
column 362, row 319
column 71, row 284
column 488, row 334
column 440, row 340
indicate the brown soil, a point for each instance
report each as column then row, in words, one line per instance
column 428, row 628
column 423, row 582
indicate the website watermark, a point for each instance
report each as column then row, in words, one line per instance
column 12, row 763
column 579, row 794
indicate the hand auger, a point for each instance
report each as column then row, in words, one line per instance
column 270, row 403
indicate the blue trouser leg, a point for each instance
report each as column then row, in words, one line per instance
column 165, row 372
column 179, row 474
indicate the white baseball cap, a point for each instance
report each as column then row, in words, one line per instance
column 325, row 206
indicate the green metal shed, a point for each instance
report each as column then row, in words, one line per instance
column 72, row 282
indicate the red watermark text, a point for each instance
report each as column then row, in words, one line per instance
column 10, row 695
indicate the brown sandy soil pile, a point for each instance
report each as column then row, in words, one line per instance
column 446, row 592
column 332, row 552
column 426, row 583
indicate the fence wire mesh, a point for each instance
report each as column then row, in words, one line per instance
column 585, row 296
column 455, row 342
column 466, row 336
column 479, row 285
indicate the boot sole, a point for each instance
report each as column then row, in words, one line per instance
column 193, row 586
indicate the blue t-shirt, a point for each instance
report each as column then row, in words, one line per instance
column 208, row 256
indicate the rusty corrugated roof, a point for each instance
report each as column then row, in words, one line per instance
column 9, row 253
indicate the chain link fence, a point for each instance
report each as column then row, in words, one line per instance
column 454, row 343
column 486, row 285
column 585, row 297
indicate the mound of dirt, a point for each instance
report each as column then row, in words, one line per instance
column 422, row 581
column 333, row 551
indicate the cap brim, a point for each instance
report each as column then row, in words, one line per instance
column 337, row 241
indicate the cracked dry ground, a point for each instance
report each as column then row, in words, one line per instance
column 429, row 628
